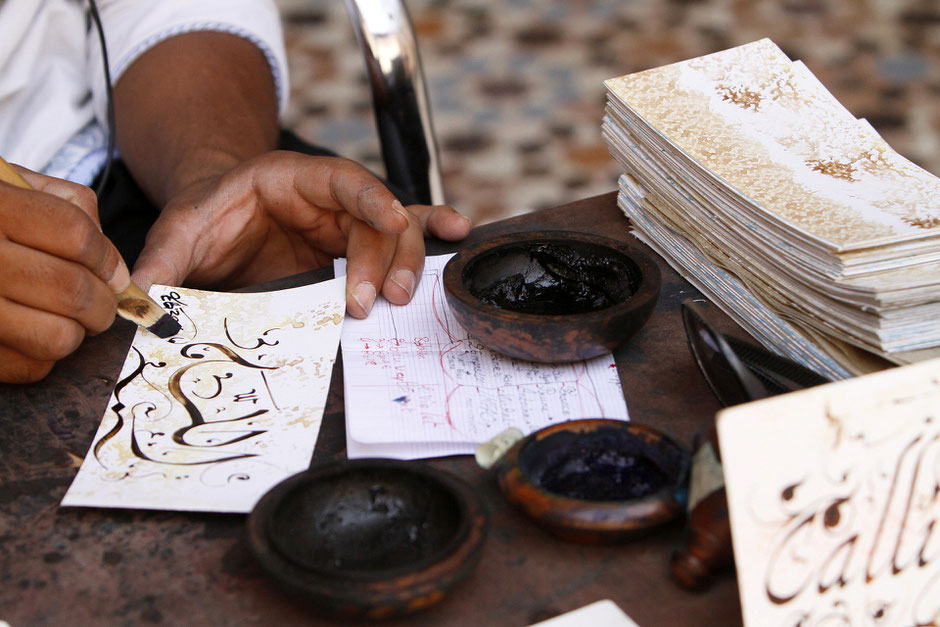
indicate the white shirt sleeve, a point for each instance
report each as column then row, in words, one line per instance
column 132, row 26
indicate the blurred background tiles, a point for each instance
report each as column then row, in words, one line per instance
column 516, row 86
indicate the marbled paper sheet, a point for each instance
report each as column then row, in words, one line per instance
column 770, row 181
column 834, row 498
column 767, row 128
column 211, row 419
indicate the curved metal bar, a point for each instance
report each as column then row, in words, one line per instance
column 402, row 114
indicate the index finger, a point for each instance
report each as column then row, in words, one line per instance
column 335, row 184
column 81, row 196
column 50, row 224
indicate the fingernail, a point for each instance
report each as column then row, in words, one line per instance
column 364, row 295
column 405, row 279
column 120, row 278
column 399, row 209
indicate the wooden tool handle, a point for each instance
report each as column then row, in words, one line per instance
column 11, row 176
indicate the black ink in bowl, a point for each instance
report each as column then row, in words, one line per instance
column 596, row 480
column 369, row 538
column 552, row 277
column 552, row 296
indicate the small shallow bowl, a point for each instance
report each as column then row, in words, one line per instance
column 596, row 480
column 552, row 296
column 369, row 538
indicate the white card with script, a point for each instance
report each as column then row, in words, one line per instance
column 834, row 499
column 212, row 418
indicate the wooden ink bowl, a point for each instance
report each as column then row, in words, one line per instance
column 551, row 296
column 369, row 538
column 596, row 480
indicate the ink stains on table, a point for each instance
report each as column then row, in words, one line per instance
column 197, row 569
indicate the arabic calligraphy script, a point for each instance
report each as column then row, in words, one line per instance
column 212, row 389
column 233, row 399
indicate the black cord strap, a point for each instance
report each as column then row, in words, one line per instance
column 107, row 85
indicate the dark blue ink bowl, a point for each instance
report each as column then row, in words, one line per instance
column 369, row 538
column 596, row 480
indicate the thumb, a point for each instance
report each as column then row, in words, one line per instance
column 165, row 259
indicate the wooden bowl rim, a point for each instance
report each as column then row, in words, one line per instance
column 362, row 589
column 454, row 287
column 561, row 512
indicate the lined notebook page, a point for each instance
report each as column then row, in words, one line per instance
column 419, row 385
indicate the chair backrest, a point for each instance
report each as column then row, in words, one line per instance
column 402, row 112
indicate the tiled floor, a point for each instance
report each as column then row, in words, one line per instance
column 516, row 86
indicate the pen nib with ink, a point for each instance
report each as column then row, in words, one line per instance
column 138, row 307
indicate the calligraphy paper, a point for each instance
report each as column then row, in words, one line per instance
column 419, row 385
column 604, row 613
column 829, row 237
column 212, row 418
column 767, row 129
column 834, row 501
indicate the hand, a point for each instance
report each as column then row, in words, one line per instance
column 283, row 213
column 58, row 274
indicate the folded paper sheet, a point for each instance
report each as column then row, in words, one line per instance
column 214, row 417
column 418, row 385
column 752, row 180
column 834, row 501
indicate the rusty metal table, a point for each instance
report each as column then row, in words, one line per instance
column 119, row 567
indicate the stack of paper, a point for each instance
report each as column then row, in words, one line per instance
column 798, row 219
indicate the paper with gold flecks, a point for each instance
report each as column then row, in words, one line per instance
column 760, row 188
column 212, row 418
column 765, row 127
column 834, row 501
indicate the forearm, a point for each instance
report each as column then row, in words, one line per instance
column 192, row 107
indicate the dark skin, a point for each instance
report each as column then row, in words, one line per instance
column 197, row 126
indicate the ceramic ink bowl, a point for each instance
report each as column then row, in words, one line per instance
column 595, row 480
column 551, row 296
column 369, row 538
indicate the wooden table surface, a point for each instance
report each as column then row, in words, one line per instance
column 62, row 566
